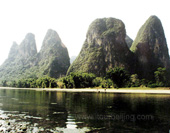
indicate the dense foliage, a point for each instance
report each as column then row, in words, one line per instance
column 161, row 78
column 44, row 82
column 116, row 77
column 119, row 76
column 79, row 80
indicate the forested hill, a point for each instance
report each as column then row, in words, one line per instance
column 25, row 62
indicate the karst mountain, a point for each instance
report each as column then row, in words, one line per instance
column 25, row 62
column 150, row 48
column 106, row 46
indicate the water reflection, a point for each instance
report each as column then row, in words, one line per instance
column 80, row 112
column 71, row 124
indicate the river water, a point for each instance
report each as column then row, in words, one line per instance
column 85, row 112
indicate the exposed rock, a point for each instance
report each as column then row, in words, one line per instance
column 25, row 50
column 129, row 41
column 150, row 48
column 28, row 47
column 104, row 47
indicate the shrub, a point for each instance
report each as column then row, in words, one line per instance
column 79, row 80
column 97, row 82
column 118, row 75
column 44, row 82
column 4, row 83
column 134, row 81
column 161, row 76
column 107, row 83
column 60, row 84
column 68, row 82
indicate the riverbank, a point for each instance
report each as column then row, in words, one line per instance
column 13, row 122
column 96, row 90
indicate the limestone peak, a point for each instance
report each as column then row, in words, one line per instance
column 28, row 47
column 150, row 47
column 104, row 47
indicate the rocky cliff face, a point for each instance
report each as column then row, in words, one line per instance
column 28, row 47
column 104, row 47
column 53, row 56
column 25, row 50
column 129, row 41
column 24, row 61
column 150, row 48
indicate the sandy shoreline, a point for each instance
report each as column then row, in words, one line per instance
column 147, row 91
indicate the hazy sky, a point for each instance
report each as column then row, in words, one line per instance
column 71, row 19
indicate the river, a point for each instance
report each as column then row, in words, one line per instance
column 45, row 111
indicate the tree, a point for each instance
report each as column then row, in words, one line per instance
column 43, row 82
column 107, row 83
column 4, row 83
column 19, row 84
column 118, row 75
column 46, row 82
column 13, row 84
column 79, row 80
column 97, row 81
column 161, row 76
column 32, row 83
column 135, row 82
column 68, row 82
column 53, row 83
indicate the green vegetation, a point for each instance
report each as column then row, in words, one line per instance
column 119, row 76
column 24, row 62
column 116, row 77
column 161, row 78
column 104, row 47
column 79, row 80
column 4, row 83
column 135, row 81
column 44, row 82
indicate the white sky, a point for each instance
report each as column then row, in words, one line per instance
column 71, row 19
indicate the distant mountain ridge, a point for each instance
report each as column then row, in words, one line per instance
column 24, row 62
